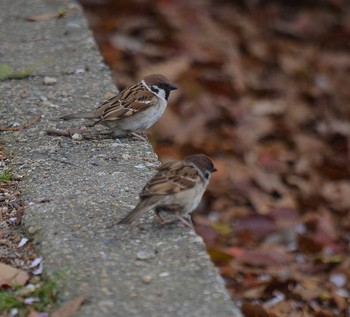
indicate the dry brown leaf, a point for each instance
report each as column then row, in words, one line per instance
column 326, row 226
column 258, row 225
column 254, row 310
column 12, row 276
column 337, row 194
column 282, row 308
column 308, row 244
column 262, row 202
column 259, row 258
column 69, row 308
column 171, row 68
column 266, row 107
column 34, row 313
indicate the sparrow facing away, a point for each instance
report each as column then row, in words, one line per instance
column 176, row 189
column 133, row 109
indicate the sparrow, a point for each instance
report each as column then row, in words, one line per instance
column 176, row 189
column 133, row 109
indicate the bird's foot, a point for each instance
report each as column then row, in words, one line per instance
column 140, row 136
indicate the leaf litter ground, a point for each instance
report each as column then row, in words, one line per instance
column 264, row 91
column 23, row 289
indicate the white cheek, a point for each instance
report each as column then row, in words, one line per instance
column 161, row 94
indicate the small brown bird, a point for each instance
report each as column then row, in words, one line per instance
column 134, row 109
column 176, row 189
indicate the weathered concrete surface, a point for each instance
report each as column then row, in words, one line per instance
column 79, row 189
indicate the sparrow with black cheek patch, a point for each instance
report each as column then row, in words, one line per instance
column 134, row 109
column 176, row 189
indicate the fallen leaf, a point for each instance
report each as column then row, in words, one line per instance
column 12, row 276
column 254, row 310
column 68, row 308
column 258, row 225
column 308, row 244
column 259, row 258
column 326, row 229
column 171, row 68
column 219, row 256
column 34, row 313
column 336, row 194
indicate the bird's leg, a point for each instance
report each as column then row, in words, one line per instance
column 138, row 136
column 186, row 223
column 161, row 219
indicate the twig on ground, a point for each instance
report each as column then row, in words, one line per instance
column 23, row 126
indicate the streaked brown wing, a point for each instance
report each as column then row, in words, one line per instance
column 171, row 178
column 126, row 103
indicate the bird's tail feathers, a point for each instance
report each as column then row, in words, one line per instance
column 142, row 206
column 80, row 115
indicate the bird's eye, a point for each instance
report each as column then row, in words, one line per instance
column 206, row 175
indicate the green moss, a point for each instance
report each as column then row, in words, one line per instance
column 5, row 176
column 45, row 291
column 47, row 294
column 7, row 72
column 9, row 301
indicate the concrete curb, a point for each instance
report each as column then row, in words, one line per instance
column 78, row 190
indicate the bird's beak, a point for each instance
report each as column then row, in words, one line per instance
column 214, row 170
column 172, row 87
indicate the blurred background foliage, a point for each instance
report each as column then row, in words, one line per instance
column 264, row 91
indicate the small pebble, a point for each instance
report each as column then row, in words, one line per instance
column 32, row 229
column 47, row 103
column 17, row 177
column 77, row 137
column 105, row 290
column 147, row 279
column 144, row 255
column 117, row 142
column 125, row 156
column 80, row 70
column 49, row 81
column 164, row 274
column 150, row 159
column 65, row 94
